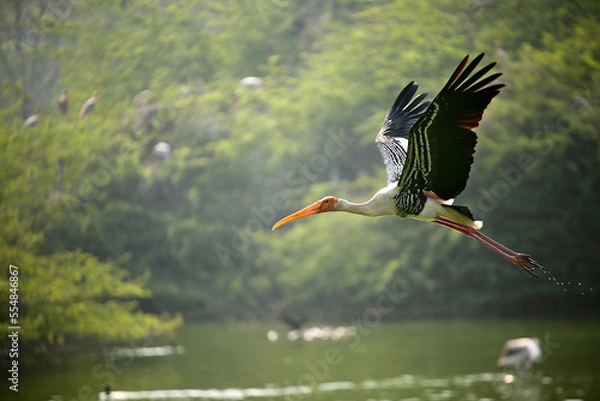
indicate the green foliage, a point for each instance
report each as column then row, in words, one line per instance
column 71, row 296
column 196, row 225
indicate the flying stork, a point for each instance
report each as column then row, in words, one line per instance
column 428, row 148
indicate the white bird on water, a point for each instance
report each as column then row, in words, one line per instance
column 521, row 353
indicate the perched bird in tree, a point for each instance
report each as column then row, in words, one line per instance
column 161, row 150
column 521, row 353
column 63, row 101
column 428, row 148
column 252, row 83
column 89, row 105
column 34, row 118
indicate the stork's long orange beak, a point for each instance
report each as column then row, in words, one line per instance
column 324, row 205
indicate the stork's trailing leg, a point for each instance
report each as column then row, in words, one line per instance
column 523, row 260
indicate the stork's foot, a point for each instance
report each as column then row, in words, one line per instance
column 526, row 263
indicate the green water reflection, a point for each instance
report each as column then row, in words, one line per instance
column 430, row 360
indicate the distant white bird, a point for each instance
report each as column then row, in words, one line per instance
column 33, row 119
column 162, row 150
column 521, row 353
column 252, row 83
column 89, row 105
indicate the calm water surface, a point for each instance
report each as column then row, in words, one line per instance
column 430, row 360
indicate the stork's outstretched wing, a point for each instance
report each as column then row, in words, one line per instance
column 441, row 143
column 392, row 139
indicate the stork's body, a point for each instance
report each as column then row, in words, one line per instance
column 89, row 105
column 33, row 119
column 428, row 150
column 385, row 203
column 521, row 353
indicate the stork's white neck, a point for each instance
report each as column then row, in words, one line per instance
column 381, row 204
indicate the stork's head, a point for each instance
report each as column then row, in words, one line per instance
column 327, row 204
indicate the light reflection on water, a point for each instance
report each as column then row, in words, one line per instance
column 507, row 386
column 146, row 352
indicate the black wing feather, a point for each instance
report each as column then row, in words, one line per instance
column 405, row 111
column 441, row 143
column 515, row 350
